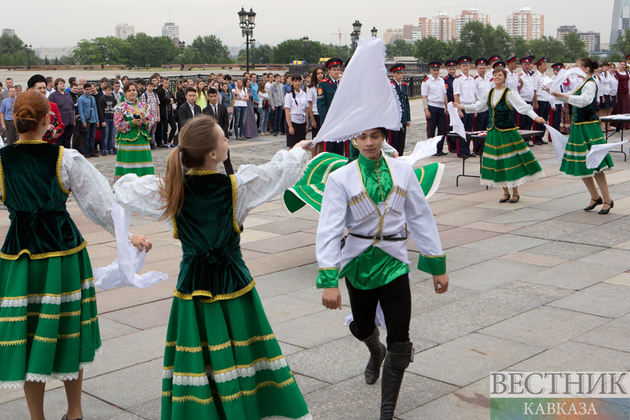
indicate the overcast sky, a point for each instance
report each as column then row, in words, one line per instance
column 60, row 23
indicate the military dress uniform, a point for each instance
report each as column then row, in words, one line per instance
column 464, row 88
column 482, row 85
column 556, row 105
column 397, row 138
column 544, row 100
column 435, row 91
column 325, row 93
column 493, row 59
column 527, row 92
column 448, row 84
column 512, row 83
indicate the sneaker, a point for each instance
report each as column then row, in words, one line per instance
column 275, row 134
column 104, row 152
column 112, row 152
column 94, row 155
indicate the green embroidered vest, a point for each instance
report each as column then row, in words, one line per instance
column 212, row 264
column 500, row 114
column 587, row 113
column 36, row 199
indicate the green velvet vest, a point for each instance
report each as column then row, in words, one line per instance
column 500, row 114
column 212, row 264
column 586, row 114
column 36, row 199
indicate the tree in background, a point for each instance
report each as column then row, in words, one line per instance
column 13, row 53
column 209, row 49
column 549, row 47
column 258, row 55
column 432, row 49
column 400, row 48
column 574, row 48
column 621, row 47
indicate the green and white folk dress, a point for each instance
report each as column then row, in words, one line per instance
column 48, row 315
column 507, row 161
column 134, row 141
column 221, row 360
column 586, row 131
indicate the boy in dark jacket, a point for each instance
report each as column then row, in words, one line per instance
column 105, row 106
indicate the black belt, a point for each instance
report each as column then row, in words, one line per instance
column 381, row 237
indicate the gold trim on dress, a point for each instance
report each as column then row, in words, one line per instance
column 512, row 167
column 237, row 228
column 89, row 321
column 201, row 172
column 190, row 398
column 175, row 231
column 3, row 187
column 254, row 391
column 262, row 359
column 58, row 170
column 31, row 142
column 211, row 297
column 12, row 343
column 88, row 300
column 44, row 255
column 13, row 319
column 233, row 343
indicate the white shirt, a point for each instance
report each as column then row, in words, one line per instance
column 311, row 95
column 192, row 108
column 242, row 98
column 604, row 82
column 297, row 106
column 584, row 98
column 512, row 81
column 261, row 96
column 464, row 86
column 614, row 84
column 541, row 79
column 482, row 85
column 434, row 88
column 513, row 99
column 529, row 86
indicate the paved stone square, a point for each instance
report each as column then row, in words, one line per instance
column 537, row 285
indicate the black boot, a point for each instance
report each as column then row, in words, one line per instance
column 398, row 358
column 377, row 354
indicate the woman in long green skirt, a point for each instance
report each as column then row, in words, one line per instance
column 48, row 315
column 221, row 360
column 507, row 162
column 586, row 132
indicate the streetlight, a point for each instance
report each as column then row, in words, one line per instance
column 101, row 47
column 182, row 46
column 28, row 55
column 305, row 41
column 247, row 22
column 356, row 33
column 374, row 31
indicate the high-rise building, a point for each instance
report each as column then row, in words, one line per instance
column 392, row 35
column 170, row 30
column 620, row 19
column 442, row 27
column 53, row 53
column 470, row 15
column 565, row 29
column 8, row 31
column 526, row 24
column 123, row 30
column 591, row 39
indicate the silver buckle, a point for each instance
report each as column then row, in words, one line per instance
column 378, row 238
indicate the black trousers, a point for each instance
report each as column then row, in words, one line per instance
column 524, row 122
column 397, row 140
column 65, row 137
column 159, row 131
column 544, row 108
column 300, row 134
column 171, row 122
column 316, row 129
column 437, row 120
column 335, row 147
column 11, row 132
column 555, row 119
column 395, row 298
column 461, row 145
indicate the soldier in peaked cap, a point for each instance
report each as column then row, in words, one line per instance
column 397, row 138
column 434, row 101
column 556, row 105
column 544, row 98
column 527, row 91
column 451, row 67
column 482, row 85
column 493, row 59
column 464, row 92
column 325, row 93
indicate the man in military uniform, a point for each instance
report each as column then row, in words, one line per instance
column 325, row 93
column 433, row 91
column 527, row 90
column 482, row 85
column 544, row 98
column 397, row 138
column 493, row 59
column 451, row 67
column 464, row 92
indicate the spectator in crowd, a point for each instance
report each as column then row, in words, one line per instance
column 254, row 88
column 82, row 81
column 202, row 97
column 228, row 79
column 156, row 79
column 77, row 136
column 56, row 127
column 220, row 79
column 250, row 130
column 64, row 102
column 211, row 78
column 264, row 108
column 276, row 95
column 217, row 110
column 311, row 93
column 117, row 92
column 6, row 116
column 4, row 93
column 18, row 89
column 88, row 113
column 8, row 82
column 241, row 97
column 226, row 99
column 152, row 100
column 106, row 106
column 189, row 109
column 50, row 86
column 297, row 112
column 71, row 80
column 141, row 86
column 287, row 83
column 168, row 117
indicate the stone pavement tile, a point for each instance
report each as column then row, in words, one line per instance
column 251, row 255
column 482, row 196
column 159, row 252
column 169, row 267
column 574, row 275
column 545, row 326
column 461, row 256
column 288, row 349
column 623, row 245
column 470, row 358
column 102, row 251
column 121, row 387
column 466, row 216
column 439, row 196
column 128, row 350
column 550, row 292
column 127, row 297
column 161, row 239
column 56, row 405
column 304, row 213
column 559, row 190
column 617, row 177
column 282, row 261
column 615, row 257
column 150, row 410
column 614, row 335
column 7, row 395
column 265, row 207
column 148, row 229
column 622, row 206
column 491, row 227
column 622, row 279
column 539, row 260
column 471, row 403
column 143, row 317
column 575, row 357
column 505, row 244
column 127, row 416
column 111, row 329
column 252, row 222
column 283, row 243
column 606, row 300
column 312, row 231
column 607, row 235
column 453, row 204
column 253, row 235
column 464, row 188
column 306, row 384
column 460, row 236
column 552, row 230
column 524, row 217
column 581, row 216
column 564, row 250
column 353, row 399
column 524, row 202
column 314, row 295
column 424, row 298
column 313, row 330
column 547, row 183
column 490, row 274
column 288, row 226
column 472, row 313
column 284, row 308
column 98, row 237
column 565, row 205
column 443, row 227
column 286, row 281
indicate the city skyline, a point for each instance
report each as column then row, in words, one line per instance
column 370, row 12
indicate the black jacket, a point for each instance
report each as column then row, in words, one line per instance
column 223, row 119
column 185, row 113
column 161, row 93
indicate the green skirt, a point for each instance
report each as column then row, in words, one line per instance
column 581, row 138
column 48, row 318
column 507, row 161
column 133, row 155
column 222, row 361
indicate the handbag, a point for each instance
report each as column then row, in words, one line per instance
column 265, row 103
column 230, row 110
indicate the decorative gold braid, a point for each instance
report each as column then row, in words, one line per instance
column 12, row 343
column 175, row 231
column 68, row 336
column 190, row 398
column 49, row 316
column 222, row 346
column 212, row 298
column 44, row 255
column 59, row 159
column 89, row 321
column 254, row 391
column 42, row 339
column 13, row 319
column 88, row 300
column 237, row 228
column 201, row 172
column 30, row 142
column 3, row 187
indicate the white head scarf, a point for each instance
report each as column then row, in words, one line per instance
column 365, row 98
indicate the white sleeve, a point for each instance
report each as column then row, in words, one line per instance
column 586, row 97
column 520, row 105
column 479, row 106
column 140, row 194
column 456, row 87
column 90, row 188
column 256, row 185
column 287, row 101
column 424, row 89
column 330, row 229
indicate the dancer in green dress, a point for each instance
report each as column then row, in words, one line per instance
column 586, row 132
column 48, row 315
column 133, row 120
column 507, row 161
column 222, row 360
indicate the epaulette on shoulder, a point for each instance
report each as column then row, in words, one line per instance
column 458, row 76
column 324, row 80
column 476, row 76
column 426, row 78
column 404, row 83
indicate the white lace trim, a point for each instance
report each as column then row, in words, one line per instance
column 186, row 380
column 13, row 303
column 512, row 184
column 87, row 285
column 50, row 300
column 566, row 152
column 508, row 155
column 134, row 165
column 607, row 168
column 11, row 384
column 306, row 417
column 126, row 147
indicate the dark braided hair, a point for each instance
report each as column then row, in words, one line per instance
column 295, row 76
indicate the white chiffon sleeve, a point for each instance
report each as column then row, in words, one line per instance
column 520, row 105
column 480, row 106
column 140, row 195
column 586, row 97
column 89, row 187
column 256, row 185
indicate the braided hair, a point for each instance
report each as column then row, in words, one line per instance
column 294, row 77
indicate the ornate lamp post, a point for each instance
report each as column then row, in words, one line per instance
column 374, row 31
column 356, row 33
column 182, row 47
column 305, row 41
column 247, row 22
column 28, row 55
column 101, row 47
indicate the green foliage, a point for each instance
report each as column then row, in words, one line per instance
column 293, row 49
column 574, row 48
column 13, row 52
column 209, row 49
column 549, row 47
column 432, row 49
column 400, row 48
column 622, row 45
column 258, row 55
column 519, row 47
column 482, row 40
